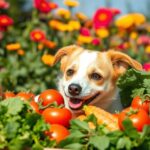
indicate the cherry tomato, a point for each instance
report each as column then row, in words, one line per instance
column 137, row 103
column 57, row 132
column 35, row 107
column 8, row 94
column 139, row 117
column 60, row 116
column 50, row 96
column 25, row 95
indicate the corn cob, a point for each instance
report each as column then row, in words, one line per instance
column 103, row 117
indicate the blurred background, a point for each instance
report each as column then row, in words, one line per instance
column 32, row 31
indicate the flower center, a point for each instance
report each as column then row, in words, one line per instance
column 102, row 17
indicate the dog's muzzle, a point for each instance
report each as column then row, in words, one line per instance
column 74, row 89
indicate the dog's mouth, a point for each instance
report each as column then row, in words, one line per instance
column 77, row 103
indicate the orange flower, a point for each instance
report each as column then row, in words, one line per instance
column 13, row 46
column 53, row 5
column 37, row 35
column 102, row 18
column 84, row 39
column 21, row 52
column 54, row 24
column 49, row 44
column 81, row 16
column 40, row 46
column 5, row 21
column 47, row 59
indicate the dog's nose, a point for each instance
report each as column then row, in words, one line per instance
column 74, row 89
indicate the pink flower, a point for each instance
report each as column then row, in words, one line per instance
column 102, row 18
column 85, row 31
column 4, row 4
column 115, row 11
column 96, row 41
column 144, row 39
column 42, row 5
column 146, row 66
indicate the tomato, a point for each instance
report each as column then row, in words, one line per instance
column 57, row 132
column 35, row 107
column 50, row 96
column 25, row 95
column 60, row 116
column 8, row 94
column 139, row 117
column 137, row 103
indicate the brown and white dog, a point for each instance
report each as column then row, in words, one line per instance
column 89, row 77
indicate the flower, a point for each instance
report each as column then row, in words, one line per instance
column 138, row 18
column 146, row 66
column 54, row 24
column 102, row 18
column 42, row 5
column 21, row 52
column 71, row 3
column 13, row 46
column 5, row 21
column 147, row 49
column 4, row 4
column 133, row 35
column 81, row 16
column 115, row 11
column 49, row 44
column 37, row 35
column 143, row 40
column 64, row 13
column 53, row 5
column 96, row 41
column 47, row 59
column 102, row 32
column 74, row 24
column 125, row 21
column 84, row 39
column 85, row 31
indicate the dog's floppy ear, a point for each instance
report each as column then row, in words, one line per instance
column 122, row 61
column 63, row 53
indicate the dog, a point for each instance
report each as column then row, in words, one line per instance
column 89, row 77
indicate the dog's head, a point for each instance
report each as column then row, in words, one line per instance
column 89, row 75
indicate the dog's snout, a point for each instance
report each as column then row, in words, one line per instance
column 74, row 89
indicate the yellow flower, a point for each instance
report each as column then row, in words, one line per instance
column 74, row 24
column 71, row 3
column 138, row 18
column 49, row 44
column 102, row 32
column 13, row 46
column 54, row 24
column 147, row 49
column 125, row 21
column 21, row 52
column 47, row 59
column 63, row 13
column 133, row 35
column 62, row 27
column 84, row 39
column 81, row 16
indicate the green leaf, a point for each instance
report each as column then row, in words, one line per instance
column 14, row 105
column 76, row 134
column 99, row 142
column 124, row 142
column 74, row 146
column 80, row 125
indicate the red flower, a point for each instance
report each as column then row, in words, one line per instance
column 102, row 18
column 85, row 31
column 96, row 41
column 143, row 40
column 37, row 35
column 146, row 66
column 42, row 5
column 5, row 21
column 53, row 5
column 115, row 11
column 4, row 4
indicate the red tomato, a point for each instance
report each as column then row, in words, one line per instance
column 60, row 116
column 50, row 96
column 8, row 94
column 25, row 96
column 137, row 103
column 57, row 132
column 139, row 117
column 35, row 107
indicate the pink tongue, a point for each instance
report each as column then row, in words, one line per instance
column 75, row 106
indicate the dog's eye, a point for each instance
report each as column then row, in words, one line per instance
column 95, row 76
column 70, row 72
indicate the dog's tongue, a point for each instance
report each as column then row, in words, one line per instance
column 75, row 103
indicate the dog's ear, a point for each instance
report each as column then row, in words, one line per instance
column 63, row 53
column 122, row 61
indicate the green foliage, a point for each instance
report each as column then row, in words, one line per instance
column 133, row 83
column 84, row 138
column 21, row 127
